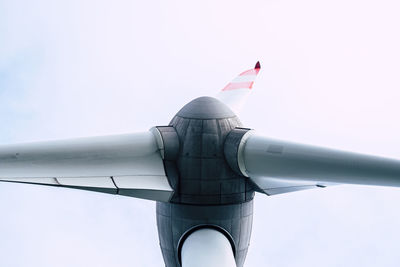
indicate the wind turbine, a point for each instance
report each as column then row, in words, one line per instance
column 203, row 170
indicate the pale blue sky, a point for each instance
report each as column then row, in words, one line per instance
column 80, row 68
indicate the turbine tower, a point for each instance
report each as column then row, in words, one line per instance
column 203, row 169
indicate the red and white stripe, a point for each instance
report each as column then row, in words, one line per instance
column 235, row 93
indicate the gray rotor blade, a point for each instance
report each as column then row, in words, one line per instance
column 261, row 158
column 129, row 164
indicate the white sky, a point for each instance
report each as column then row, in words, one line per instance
column 80, row 68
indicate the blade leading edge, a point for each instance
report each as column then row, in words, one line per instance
column 129, row 164
column 267, row 161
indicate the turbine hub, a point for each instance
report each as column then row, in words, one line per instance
column 204, row 176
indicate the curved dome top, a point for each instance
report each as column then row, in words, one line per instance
column 206, row 108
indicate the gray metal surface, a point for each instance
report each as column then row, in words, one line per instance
column 127, row 164
column 265, row 157
column 168, row 142
column 205, row 108
column 204, row 175
column 207, row 247
column 233, row 147
column 175, row 220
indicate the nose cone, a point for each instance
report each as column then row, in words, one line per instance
column 203, row 175
column 206, row 108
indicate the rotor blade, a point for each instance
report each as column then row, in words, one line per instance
column 129, row 164
column 207, row 247
column 235, row 93
column 262, row 158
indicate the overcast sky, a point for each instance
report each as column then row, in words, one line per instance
column 330, row 76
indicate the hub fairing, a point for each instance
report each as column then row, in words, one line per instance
column 205, row 177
